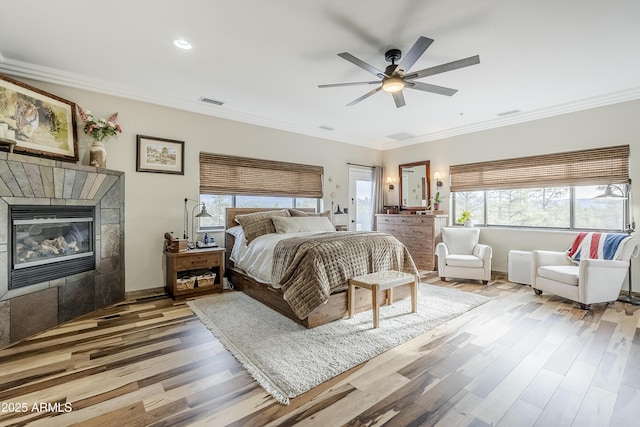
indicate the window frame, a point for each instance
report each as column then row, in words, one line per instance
column 626, row 213
column 205, row 229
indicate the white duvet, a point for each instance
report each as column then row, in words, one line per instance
column 256, row 259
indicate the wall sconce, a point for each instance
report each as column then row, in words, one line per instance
column 436, row 176
column 390, row 183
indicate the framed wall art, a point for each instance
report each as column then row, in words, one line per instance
column 40, row 123
column 159, row 155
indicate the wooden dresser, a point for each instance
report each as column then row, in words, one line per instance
column 419, row 233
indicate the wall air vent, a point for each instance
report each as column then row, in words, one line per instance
column 507, row 113
column 210, row 101
column 401, row 136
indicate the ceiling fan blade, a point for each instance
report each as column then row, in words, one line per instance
column 416, row 51
column 450, row 66
column 431, row 88
column 365, row 96
column 398, row 98
column 349, row 84
column 360, row 63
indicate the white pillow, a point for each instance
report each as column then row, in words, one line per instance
column 235, row 231
column 302, row 224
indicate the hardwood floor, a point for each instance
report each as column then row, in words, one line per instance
column 519, row 360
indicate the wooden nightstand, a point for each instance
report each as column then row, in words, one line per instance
column 193, row 264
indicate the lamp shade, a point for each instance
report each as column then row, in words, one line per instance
column 610, row 194
column 203, row 213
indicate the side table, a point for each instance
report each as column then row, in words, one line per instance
column 191, row 262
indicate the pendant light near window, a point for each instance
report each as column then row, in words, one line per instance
column 610, row 194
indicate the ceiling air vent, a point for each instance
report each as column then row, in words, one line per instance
column 401, row 136
column 507, row 113
column 210, row 101
column 325, row 127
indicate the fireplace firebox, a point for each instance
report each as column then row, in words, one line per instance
column 50, row 242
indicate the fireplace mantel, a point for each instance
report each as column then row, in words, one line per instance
column 26, row 180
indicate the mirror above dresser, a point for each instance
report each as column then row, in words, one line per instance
column 414, row 183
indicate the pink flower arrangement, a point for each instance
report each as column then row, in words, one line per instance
column 101, row 128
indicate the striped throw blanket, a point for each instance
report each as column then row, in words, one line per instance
column 596, row 246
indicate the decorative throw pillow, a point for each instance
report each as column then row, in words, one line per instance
column 302, row 224
column 296, row 212
column 259, row 223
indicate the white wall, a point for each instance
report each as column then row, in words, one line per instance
column 154, row 203
column 605, row 126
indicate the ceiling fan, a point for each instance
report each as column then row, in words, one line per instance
column 396, row 77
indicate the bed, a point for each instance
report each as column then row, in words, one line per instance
column 296, row 268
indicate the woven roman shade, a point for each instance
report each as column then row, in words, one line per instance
column 221, row 174
column 608, row 165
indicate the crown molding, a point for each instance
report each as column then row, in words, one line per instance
column 63, row 78
column 569, row 107
column 78, row 81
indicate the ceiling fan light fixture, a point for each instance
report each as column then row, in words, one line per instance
column 393, row 84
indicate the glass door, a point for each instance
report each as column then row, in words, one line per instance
column 360, row 199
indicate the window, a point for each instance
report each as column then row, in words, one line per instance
column 243, row 182
column 559, row 190
column 574, row 207
column 216, row 205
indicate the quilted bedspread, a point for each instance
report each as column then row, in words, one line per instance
column 309, row 269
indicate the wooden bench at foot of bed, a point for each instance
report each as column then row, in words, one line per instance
column 335, row 308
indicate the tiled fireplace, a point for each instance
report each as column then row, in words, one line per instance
column 61, row 243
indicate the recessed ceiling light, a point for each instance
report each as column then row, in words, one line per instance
column 182, row 44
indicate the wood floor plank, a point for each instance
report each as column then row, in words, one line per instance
column 561, row 409
column 596, row 409
column 627, row 408
column 541, row 389
column 464, row 403
column 521, row 414
column 129, row 416
column 520, row 359
column 599, row 343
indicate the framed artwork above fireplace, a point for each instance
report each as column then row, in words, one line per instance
column 40, row 123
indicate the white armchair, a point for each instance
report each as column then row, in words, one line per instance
column 588, row 282
column 461, row 256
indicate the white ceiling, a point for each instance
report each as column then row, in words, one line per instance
column 264, row 59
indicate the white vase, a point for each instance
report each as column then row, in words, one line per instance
column 98, row 155
column 469, row 223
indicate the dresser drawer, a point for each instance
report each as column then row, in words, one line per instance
column 419, row 233
column 412, row 231
column 405, row 219
column 195, row 261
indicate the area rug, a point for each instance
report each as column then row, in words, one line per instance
column 287, row 359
